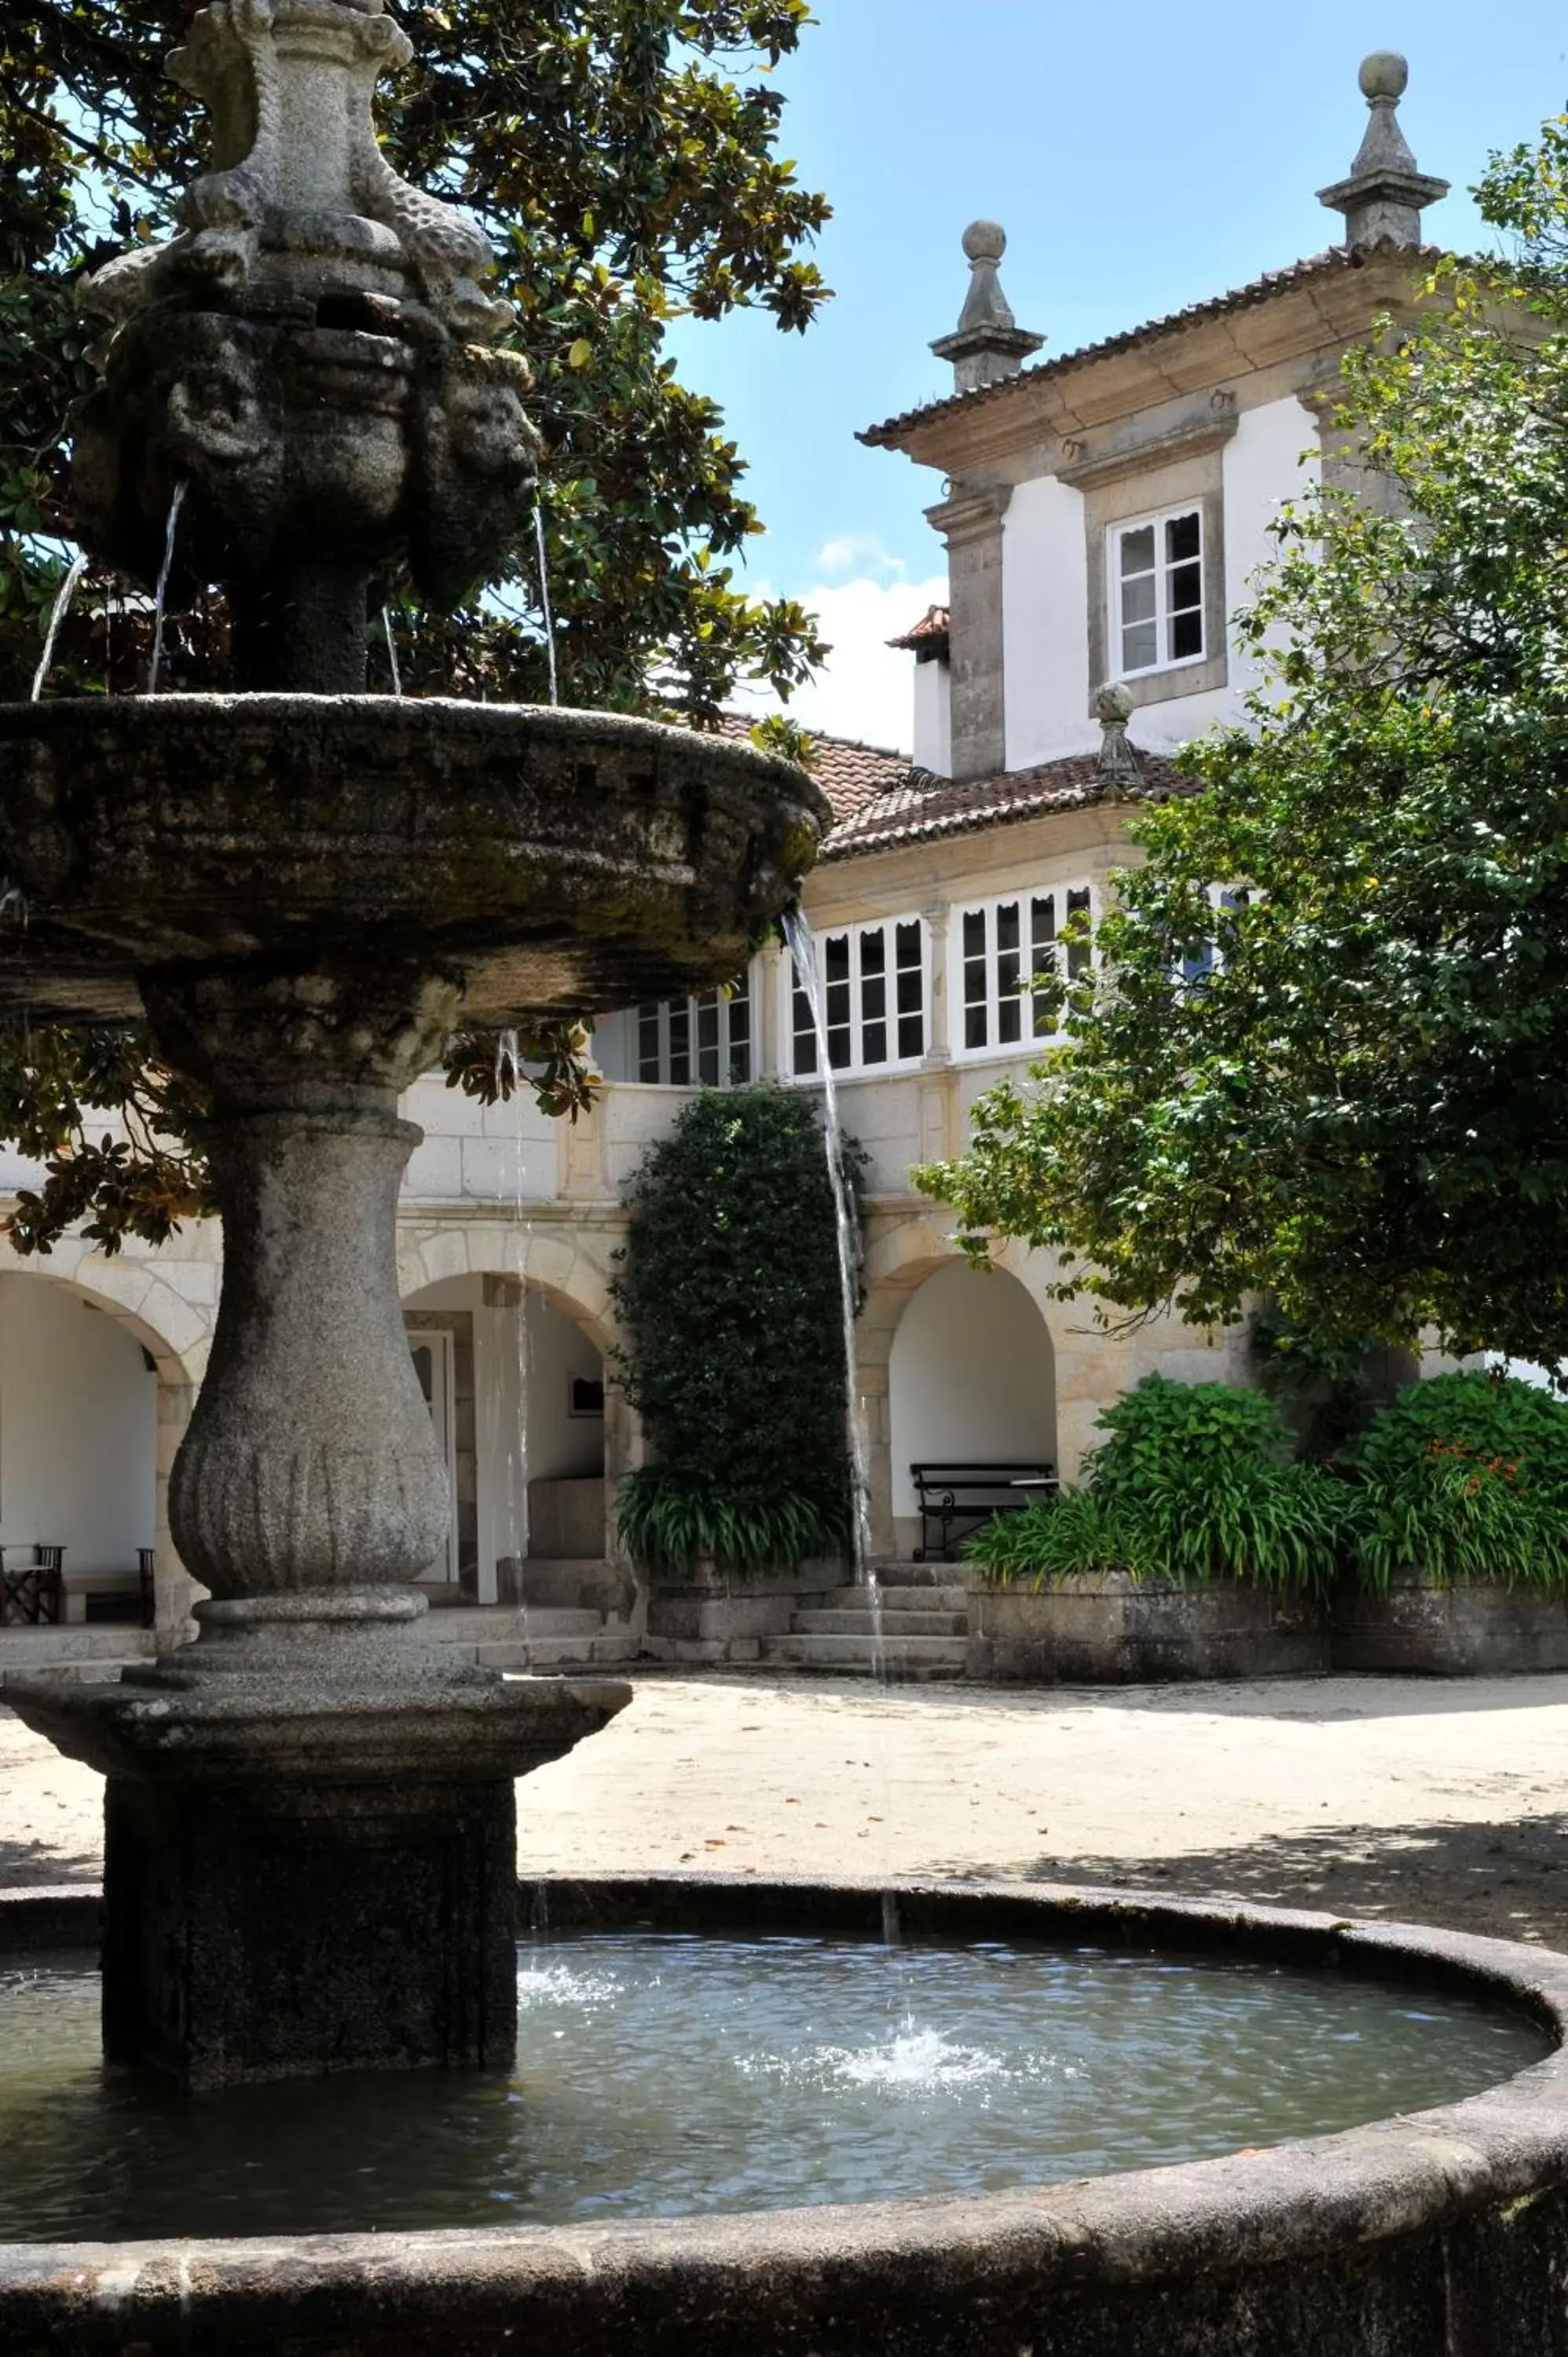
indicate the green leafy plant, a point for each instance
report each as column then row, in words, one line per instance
column 672, row 1518
column 728, row 1295
column 1462, row 1478
column 1194, row 1484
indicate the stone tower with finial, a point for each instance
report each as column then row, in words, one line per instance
column 988, row 344
column 1384, row 197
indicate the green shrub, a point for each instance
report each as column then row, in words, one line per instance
column 669, row 1518
column 728, row 1295
column 1194, row 1484
column 1464, row 1477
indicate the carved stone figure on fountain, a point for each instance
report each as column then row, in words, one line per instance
column 313, row 354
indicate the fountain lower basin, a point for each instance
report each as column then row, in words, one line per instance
column 1445, row 2230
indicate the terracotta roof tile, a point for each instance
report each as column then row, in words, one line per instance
column 1339, row 261
column 914, row 806
column 931, row 629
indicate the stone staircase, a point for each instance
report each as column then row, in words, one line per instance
column 925, row 1628
column 75, row 1654
column 531, row 1637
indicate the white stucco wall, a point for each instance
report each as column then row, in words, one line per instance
column 78, row 1432
column 933, row 719
column 1045, row 630
column 1264, row 470
column 972, row 1375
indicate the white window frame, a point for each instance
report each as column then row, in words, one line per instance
column 1038, row 951
column 1164, row 661
column 660, row 1021
column 862, row 1016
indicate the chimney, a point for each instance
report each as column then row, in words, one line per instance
column 1385, row 195
column 988, row 343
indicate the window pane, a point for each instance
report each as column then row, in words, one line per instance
column 1007, row 926
column 708, row 1040
column 1009, row 974
column 680, row 1044
column 1140, row 649
column 873, row 1044
column 912, row 1035
column 738, row 1056
column 1043, row 957
column 839, row 1049
column 1187, row 637
column 1183, row 537
column 909, row 951
column 835, row 957
column 804, row 1029
column 1138, row 551
column 1185, row 587
column 973, row 933
column 874, row 950
column 974, row 1027
column 1078, row 957
column 1138, row 599
column 649, row 1064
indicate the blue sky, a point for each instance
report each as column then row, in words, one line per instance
column 1141, row 155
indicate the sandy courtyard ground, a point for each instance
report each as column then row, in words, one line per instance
column 1437, row 1803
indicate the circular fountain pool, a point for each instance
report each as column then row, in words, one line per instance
column 1075, row 2125
column 674, row 2074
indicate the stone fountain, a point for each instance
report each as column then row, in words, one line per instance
column 310, row 1857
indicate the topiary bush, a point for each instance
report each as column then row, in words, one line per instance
column 1464, row 1478
column 729, row 1299
column 1194, row 1484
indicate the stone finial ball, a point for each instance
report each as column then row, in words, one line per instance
column 1384, row 75
column 985, row 240
column 1115, row 700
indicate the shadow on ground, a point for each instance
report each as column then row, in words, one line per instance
column 1508, row 1879
column 35, row 1866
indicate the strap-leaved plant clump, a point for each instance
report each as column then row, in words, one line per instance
column 728, row 1295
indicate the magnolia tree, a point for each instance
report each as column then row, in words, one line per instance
column 1347, row 1085
column 623, row 157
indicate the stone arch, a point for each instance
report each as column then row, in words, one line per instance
column 971, row 1375
column 173, row 1334
column 487, row 1265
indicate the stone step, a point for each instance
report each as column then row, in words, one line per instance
column 95, row 1672
column 905, row 1657
column 483, row 1624
column 26, row 1648
column 857, row 1620
column 951, row 1596
column 903, row 1574
column 555, row 1652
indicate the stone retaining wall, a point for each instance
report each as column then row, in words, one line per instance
column 1452, row 1632
column 1109, row 1628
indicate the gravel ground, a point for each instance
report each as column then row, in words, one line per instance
column 1431, row 1802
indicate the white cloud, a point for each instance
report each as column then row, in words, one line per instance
column 865, row 689
column 851, row 549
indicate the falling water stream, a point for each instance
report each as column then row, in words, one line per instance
column 545, row 606
column 798, row 937
column 68, row 590
column 392, row 651
column 165, row 569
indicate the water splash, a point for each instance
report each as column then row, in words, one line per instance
column 392, row 651
column 68, row 590
column 165, row 569
column 544, row 601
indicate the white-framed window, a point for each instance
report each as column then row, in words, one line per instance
column 702, row 1042
column 873, row 984
column 1209, row 956
column 998, row 950
column 1156, row 571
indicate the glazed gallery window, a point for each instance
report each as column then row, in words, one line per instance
column 873, row 984
column 703, row 1042
column 1156, row 589
column 1000, row 948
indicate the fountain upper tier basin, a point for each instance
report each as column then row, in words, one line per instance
column 558, row 863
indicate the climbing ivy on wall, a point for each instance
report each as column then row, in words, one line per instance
column 729, row 1296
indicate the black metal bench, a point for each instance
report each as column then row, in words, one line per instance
column 30, row 1591
column 951, row 1493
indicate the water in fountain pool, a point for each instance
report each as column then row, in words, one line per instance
column 661, row 2074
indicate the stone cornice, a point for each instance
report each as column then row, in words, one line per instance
column 1193, row 440
column 970, row 511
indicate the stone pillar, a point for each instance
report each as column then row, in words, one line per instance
column 971, row 522
column 768, row 1028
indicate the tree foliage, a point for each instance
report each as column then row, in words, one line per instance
column 623, row 156
column 728, row 1292
column 1347, row 1085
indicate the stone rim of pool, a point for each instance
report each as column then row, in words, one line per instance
column 1441, row 2229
